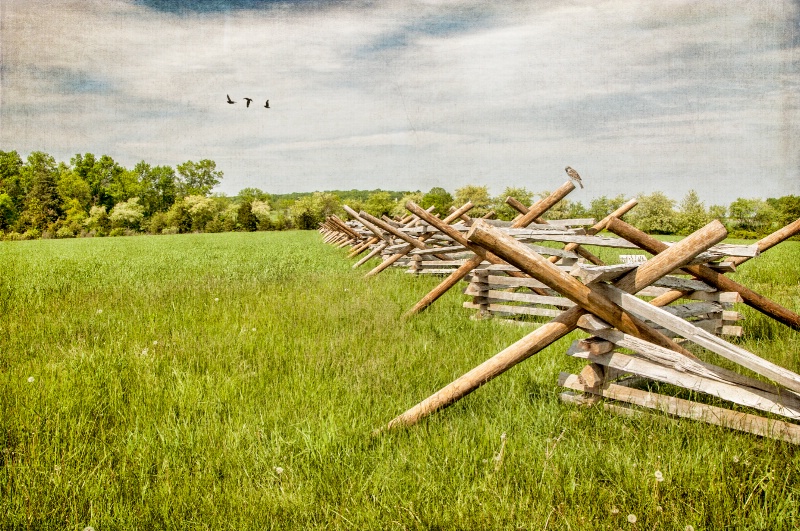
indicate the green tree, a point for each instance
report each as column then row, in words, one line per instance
column 787, row 208
column 179, row 218
column 479, row 195
column 127, row 214
column 201, row 209
column 70, row 185
column 399, row 209
column 245, row 218
column 98, row 220
column 655, row 214
column 750, row 217
column 602, row 206
column 505, row 212
column 251, row 194
column 692, row 213
column 8, row 212
column 42, row 202
column 379, row 203
column 10, row 179
column 198, row 178
column 440, row 198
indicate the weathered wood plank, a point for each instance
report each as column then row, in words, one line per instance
column 776, row 429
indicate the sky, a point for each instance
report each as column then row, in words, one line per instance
column 652, row 95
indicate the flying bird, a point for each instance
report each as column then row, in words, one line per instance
column 229, row 99
column 267, row 105
column 248, row 101
column 574, row 175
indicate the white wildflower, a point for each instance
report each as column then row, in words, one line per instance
column 614, row 510
column 278, row 470
column 632, row 518
column 145, row 350
column 659, row 476
column 31, row 379
column 252, row 329
column 735, row 458
column 99, row 311
column 688, row 528
column 155, row 343
column 216, row 299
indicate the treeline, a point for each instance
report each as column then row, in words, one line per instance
column 96, row 196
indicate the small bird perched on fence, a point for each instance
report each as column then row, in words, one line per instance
column 229, row 99
column 574, row 175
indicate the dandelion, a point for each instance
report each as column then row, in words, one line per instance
column 31, row 379
column 99, row 311
column 216, row 299
column 659, row 509
column 155, row 342
column 145, row 351
column 252, row 329
column 614, row 510
column 88, row 528
column 278, row 470
column 632, row 518
column 659, row 476
column 688, row 528
column 735, row 458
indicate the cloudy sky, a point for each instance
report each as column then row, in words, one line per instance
column 637, row 96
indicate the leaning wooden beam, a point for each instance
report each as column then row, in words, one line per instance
column 705, row 339
column 586, row 296
column 546, row 334
column 776, row 429
column 708, row 275
column 773, row 239
column 456, row 276
column 408, row 248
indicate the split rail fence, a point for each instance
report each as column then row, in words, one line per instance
column 648, row 319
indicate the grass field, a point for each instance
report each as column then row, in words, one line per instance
column 231, row 381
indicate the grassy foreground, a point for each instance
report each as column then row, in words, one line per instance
column 231, row 381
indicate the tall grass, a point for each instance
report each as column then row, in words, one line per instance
column 231, row 381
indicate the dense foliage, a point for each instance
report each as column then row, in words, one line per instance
column 96, row 196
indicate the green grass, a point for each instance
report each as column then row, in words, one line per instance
column 174, row 376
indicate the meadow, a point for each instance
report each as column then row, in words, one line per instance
column 232, row 381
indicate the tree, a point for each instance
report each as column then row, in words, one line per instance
column 479, row 195
column 505, row 212
column 655, row 214
column 752, row 216
column 70, row 186
column 198, row 178
column 379, row 204
column 8, row 212
column 263, row 214
column 98, row 220
column 127, row 214
column 245, row 218
column 10, row 180
column 250, row 194
column 305, row 213
column 692, row 214
column 440, row 198
column 201, row 209
column 787, row 208
column 602, row 206
column 399, row 209
column 42, row 202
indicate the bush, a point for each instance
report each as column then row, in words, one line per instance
column 65, row 232
column 119, row 231
column 31, row 234
column 13, row 236
column 169, row 230
column 215, row 225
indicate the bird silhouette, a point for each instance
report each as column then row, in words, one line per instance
column 230, row 100
column 267, row 105
column 248, row 101
column 574, row 175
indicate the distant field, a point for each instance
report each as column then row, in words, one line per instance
column 231, row 381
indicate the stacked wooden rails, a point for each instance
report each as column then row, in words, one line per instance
column 604, row 305
column 581, row 292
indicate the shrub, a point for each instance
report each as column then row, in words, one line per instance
column 119, row 231
column 65, row 232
